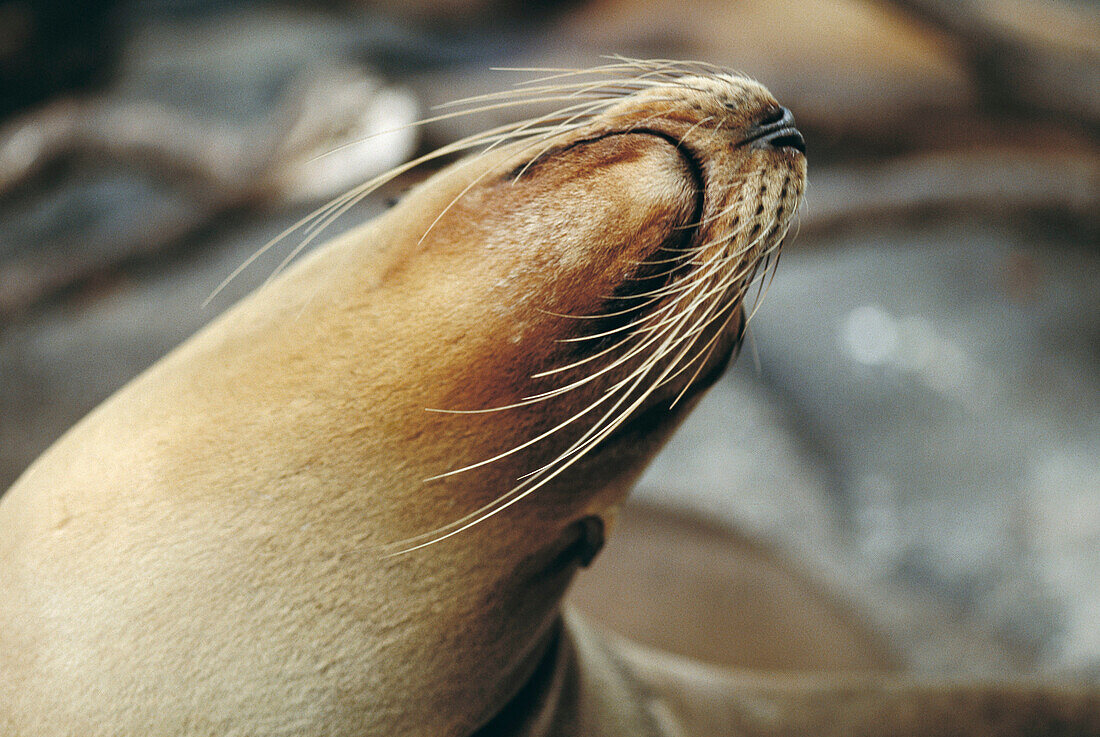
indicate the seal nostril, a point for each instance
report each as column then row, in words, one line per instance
column 789, row 138
column 773, row 116
column 775, row 129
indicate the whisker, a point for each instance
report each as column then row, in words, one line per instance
column 670, row 310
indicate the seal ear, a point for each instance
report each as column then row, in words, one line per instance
column 590, row 539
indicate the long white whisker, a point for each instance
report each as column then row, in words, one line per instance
column 669, row 311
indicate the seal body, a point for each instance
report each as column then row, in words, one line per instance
column 602, row 686
column 265, row 533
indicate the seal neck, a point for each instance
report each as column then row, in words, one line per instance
column 578, row 687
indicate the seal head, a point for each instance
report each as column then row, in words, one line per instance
column 352, row 504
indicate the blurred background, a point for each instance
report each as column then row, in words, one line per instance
column 903, row 469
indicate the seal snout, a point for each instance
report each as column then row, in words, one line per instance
column 776, row 129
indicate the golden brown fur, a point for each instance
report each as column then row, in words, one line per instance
column 207, row 552
column 235, row 542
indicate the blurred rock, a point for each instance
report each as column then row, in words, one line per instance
column 50, row 47
column 852, row 71
column 87, row 221
column 458, row 15
column 940, row 427
column 1032, row 55
column 838, row 63
column 203, row 117
column 1060, row 178
column 718, row 597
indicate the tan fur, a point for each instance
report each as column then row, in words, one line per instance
column 205, row 552
column 210, row 552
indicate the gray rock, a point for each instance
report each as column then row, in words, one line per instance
column 926, row 415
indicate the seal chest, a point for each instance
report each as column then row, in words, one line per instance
column 352, row 504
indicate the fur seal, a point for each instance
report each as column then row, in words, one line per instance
column 351, row 505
